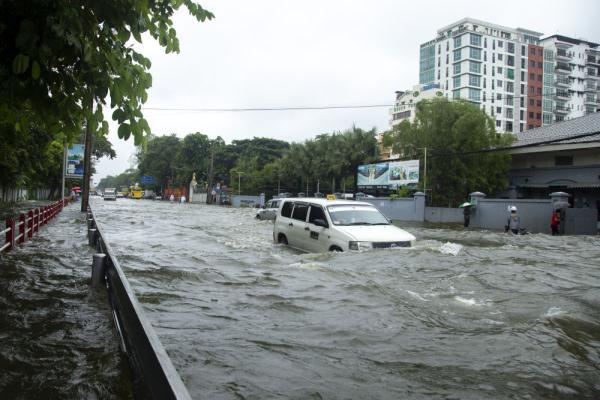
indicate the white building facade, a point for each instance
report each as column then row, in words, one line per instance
column 571, row 78
column 406, row 101
column 486, row 64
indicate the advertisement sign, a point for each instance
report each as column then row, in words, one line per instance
column 389, row 174
column 74, row 162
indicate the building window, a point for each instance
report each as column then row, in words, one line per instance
column 500, row 44
column 531, row 102
column 456, row 82
column 510, row 60
column 457, row 42
column 456, row 94
column 563, row 160
column 475, row 53
column 510, row 47
column 509, row 113
column 500, row 70
column 500, row 57
column 510, row 73
column 499, row 83
column 509, row 126
column 474, row 67
column 498, row 125
column 522, row 50
column 474, row 80
column 510, row 87
column 474, row 94
column 475, row 40
column 457, row 68
column 498, row 110
column 457, row 55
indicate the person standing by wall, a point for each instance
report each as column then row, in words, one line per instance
column 514, row 221
column 467, row 215
column 554, row 222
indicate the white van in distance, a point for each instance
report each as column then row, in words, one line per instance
column 319, row 225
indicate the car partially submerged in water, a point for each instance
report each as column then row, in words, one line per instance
column 269, row 211
column 319, row 225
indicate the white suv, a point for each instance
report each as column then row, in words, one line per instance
column 269, row 211
column 319, row 225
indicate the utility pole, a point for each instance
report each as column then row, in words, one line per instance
column 210, row 176
column 425, row 173
column 239, row 183
column 87, row 171
column 278, row 185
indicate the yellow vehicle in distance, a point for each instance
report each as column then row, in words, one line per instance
column 135, row 192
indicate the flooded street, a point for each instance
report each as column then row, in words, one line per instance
column 463, row 314
column 57, row 339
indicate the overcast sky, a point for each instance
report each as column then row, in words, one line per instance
column 284, row 53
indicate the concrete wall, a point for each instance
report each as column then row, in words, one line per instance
column 405, row 209
column 20, row 194
column 491, row 214
column 245, row 201
column 444, row 215
column 198, row 198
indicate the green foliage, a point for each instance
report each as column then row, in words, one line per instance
column 401, row 193
column 126, row 178
column 58, row 57
column 454, row 134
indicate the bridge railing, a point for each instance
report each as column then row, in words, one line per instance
column 154, row 374
column 19, row 229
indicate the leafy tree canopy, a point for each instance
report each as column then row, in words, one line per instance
column 454, row 133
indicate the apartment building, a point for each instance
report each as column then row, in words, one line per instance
column 406, row 101
column 487, row 64
column 571, row 78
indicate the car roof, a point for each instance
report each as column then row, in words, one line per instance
column 325, row 202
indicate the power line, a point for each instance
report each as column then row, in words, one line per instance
column 266, row 108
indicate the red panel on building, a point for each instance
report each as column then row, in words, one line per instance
column 535, row 73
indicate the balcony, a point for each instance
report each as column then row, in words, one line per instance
column 591, row 87
column 591, row 100
column 561, row 109
column 563, row 82
column 562, row 95
column 591, row 60
column 562, row 55
column 563, row 68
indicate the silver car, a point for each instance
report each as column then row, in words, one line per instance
column 269, row 211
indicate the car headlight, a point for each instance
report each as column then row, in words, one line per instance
column 352, row 245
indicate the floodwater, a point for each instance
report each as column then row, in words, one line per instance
column 461, row 315
column 57, row 339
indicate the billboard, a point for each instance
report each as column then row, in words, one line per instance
column 390, row 174
column 74, row 162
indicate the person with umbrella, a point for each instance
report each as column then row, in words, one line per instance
column 466, row 206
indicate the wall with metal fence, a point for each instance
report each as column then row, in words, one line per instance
column 155, row 376
column 19, row 229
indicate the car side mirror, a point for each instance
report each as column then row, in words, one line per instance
column 320, row 222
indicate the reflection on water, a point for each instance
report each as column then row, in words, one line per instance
column 463, row 314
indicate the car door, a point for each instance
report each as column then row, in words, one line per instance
column 318, row 236
column 298, row 227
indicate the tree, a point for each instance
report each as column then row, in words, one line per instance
column 56, row 57
column 159, row 159
column 457, row 135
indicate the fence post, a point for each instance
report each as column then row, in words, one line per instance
column 30, row 223
column 98, row 265
column 10, row 235
column 22, row 228
column 419, row 201
column 92, row 237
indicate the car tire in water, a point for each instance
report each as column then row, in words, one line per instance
column 281, row 239
column 335, row 249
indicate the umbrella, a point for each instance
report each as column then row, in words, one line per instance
column 76, row 189
column 465, row 204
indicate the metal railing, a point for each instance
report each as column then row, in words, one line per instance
column 19, row 229
column 154, row 374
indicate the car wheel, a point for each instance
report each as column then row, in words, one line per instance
column 335, row 249
column 281, row 239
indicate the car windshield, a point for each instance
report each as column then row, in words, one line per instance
column 356, row 215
